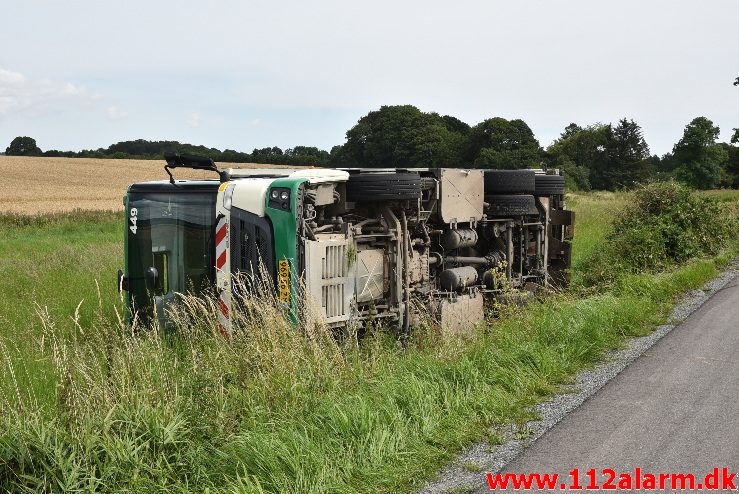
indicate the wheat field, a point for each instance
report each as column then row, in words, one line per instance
column 35, row 185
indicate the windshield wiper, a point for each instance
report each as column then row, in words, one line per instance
column 176, row 160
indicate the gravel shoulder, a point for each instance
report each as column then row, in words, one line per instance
column 465, row 474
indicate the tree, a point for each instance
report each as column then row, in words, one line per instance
column 577, row 177
column 602, row 156
column 273, row 155
column 578, row 151
column 730, row 166
column 500, row 143
column 339, row 157
column 698, row 158
column 626, row 157
column 23, row 146
column 307, row 155
column 403, row 136
column 570, row 131
column 667, row 163
column 454, row 124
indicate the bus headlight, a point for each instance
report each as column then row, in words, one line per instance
column 228, row 196
column 279, row 198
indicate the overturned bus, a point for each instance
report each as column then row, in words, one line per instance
column 362, row 244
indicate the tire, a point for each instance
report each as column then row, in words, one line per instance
column 509, row 181
column 369, row 187
column 549, row 185
column 506, row 205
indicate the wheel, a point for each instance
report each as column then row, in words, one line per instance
column 504, row 205
column 549, row 185
column 365, row 187
column 509, row 181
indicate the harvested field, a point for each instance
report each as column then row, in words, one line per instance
column 33, row 185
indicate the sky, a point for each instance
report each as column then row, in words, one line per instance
column 81, row 74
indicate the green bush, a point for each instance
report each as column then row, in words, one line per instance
column 663, row 224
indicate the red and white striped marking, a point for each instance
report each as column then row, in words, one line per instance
column 223, row 277
column 221, row 244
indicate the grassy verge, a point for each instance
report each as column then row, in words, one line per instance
column 63, row 264
column 57, row 260
column 281, row 412
column 591, row 227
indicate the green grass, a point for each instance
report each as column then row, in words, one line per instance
column 592, row 211
column 275, row 411
column 55, row 261
column 722, row 195
column 56, row 264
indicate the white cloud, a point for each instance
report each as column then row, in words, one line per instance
column 7, row 103
column 192, row 119
column 8, row 77
column 115, row 113
column 11, row 89
column 70, row 89
column 20, row 95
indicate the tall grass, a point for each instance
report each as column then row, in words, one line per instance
column 593, row 214
column 66, row 263
column 87, row 406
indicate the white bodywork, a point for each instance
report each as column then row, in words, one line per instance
column 314, row 175
column 251, row 194
column 329, row 276
column 251, row 185
column 248, row 189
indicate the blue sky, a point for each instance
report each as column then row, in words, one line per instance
column 243, row 74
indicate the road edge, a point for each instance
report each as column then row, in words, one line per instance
column 465, row 473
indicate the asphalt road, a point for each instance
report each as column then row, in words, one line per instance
column 673, row 410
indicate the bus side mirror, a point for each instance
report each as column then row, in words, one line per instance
column 152, row 278
column 122, row 282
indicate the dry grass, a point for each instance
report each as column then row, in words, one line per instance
column 32, row 185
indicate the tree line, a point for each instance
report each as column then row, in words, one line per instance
column 155, row 150
column 596, row 156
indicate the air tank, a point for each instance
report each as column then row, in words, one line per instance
column 458, row 278
column 456, row 239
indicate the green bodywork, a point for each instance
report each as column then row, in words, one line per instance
column 285, row 234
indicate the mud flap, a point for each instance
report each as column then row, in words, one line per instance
column 560, row 232
column 565, row 218
column 458, row 317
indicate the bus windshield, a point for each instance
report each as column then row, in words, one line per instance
column 170, row 249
